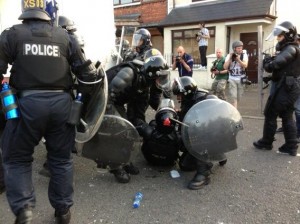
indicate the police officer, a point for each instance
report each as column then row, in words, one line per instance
column 285, row 69
column 41, row 56
column 69, row 25
column 187, row 92
column 160, row 140
column 138, row 98
column 141, row 42
column 131, row 87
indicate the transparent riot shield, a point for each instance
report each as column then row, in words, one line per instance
column 94, row 112
column 116, row 142
column 210, row 129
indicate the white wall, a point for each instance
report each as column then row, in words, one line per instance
column 289, row 10
column 9, row 13
column 94, row 19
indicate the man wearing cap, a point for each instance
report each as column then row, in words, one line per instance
column 236, row 63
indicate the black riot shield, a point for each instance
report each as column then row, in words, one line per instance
column 115, row 143
column 211, row 128
column 93, row 115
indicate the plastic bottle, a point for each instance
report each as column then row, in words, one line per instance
column 137, row 200
column 9, row 102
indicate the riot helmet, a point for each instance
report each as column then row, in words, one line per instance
column 165, row 117
column 67, row 24
column 287, row 29
column 34, row 9
column 156, row 68
column 141, row 40
column 185, row 85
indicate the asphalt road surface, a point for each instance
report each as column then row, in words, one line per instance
column 254, row 186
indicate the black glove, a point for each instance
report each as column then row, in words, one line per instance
column 267, row 59
column 267, row 79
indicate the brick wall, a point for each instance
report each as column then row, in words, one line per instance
column 151, row 12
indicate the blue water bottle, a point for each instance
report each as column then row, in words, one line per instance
column 9, row 102
column 137, row 200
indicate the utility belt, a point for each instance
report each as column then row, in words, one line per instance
column 25, row 93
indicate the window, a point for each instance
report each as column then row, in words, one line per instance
column 187, row 39
column 123, row 2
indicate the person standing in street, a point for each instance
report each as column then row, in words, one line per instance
column 202, row 39
column 184, row 62
column 220, row 75
column 236, row 63
column 285, row 69
column 41, row 56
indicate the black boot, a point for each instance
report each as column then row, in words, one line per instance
column 291, row 150
column 201, row 177
column 62, row 217
column 121, row 175
column 263, row 144
column 24, row 216
column 131, row 169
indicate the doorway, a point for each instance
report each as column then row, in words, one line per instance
column 250, row 44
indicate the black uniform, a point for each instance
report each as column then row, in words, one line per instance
column 285, row 68
column 41, row 56
column 2, row 125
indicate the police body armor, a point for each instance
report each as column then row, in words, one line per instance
column 36, row 43
column 161, row 144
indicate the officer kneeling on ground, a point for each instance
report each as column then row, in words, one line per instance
column 41, row 56
column 187, row 92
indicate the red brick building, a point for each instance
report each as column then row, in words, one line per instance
column 142, row 14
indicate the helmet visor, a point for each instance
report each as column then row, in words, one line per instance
column 177, row 86
column 278, row 30
column 137, row 40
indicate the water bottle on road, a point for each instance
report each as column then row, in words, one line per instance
column 137, row 200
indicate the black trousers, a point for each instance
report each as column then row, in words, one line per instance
column 281, row 104
column 202, row 50
column 45, row 115
column 1, row 172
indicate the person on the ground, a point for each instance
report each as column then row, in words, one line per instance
column 235, row 63
column 183, row 62
column 41, row 56
column 285, row 69
column 220, row 75
column 202, row 38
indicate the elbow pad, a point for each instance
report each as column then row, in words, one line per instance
column 122, row 80
column 88, row 72
column 269, row 67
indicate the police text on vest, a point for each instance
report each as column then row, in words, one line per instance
column 41, row 50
